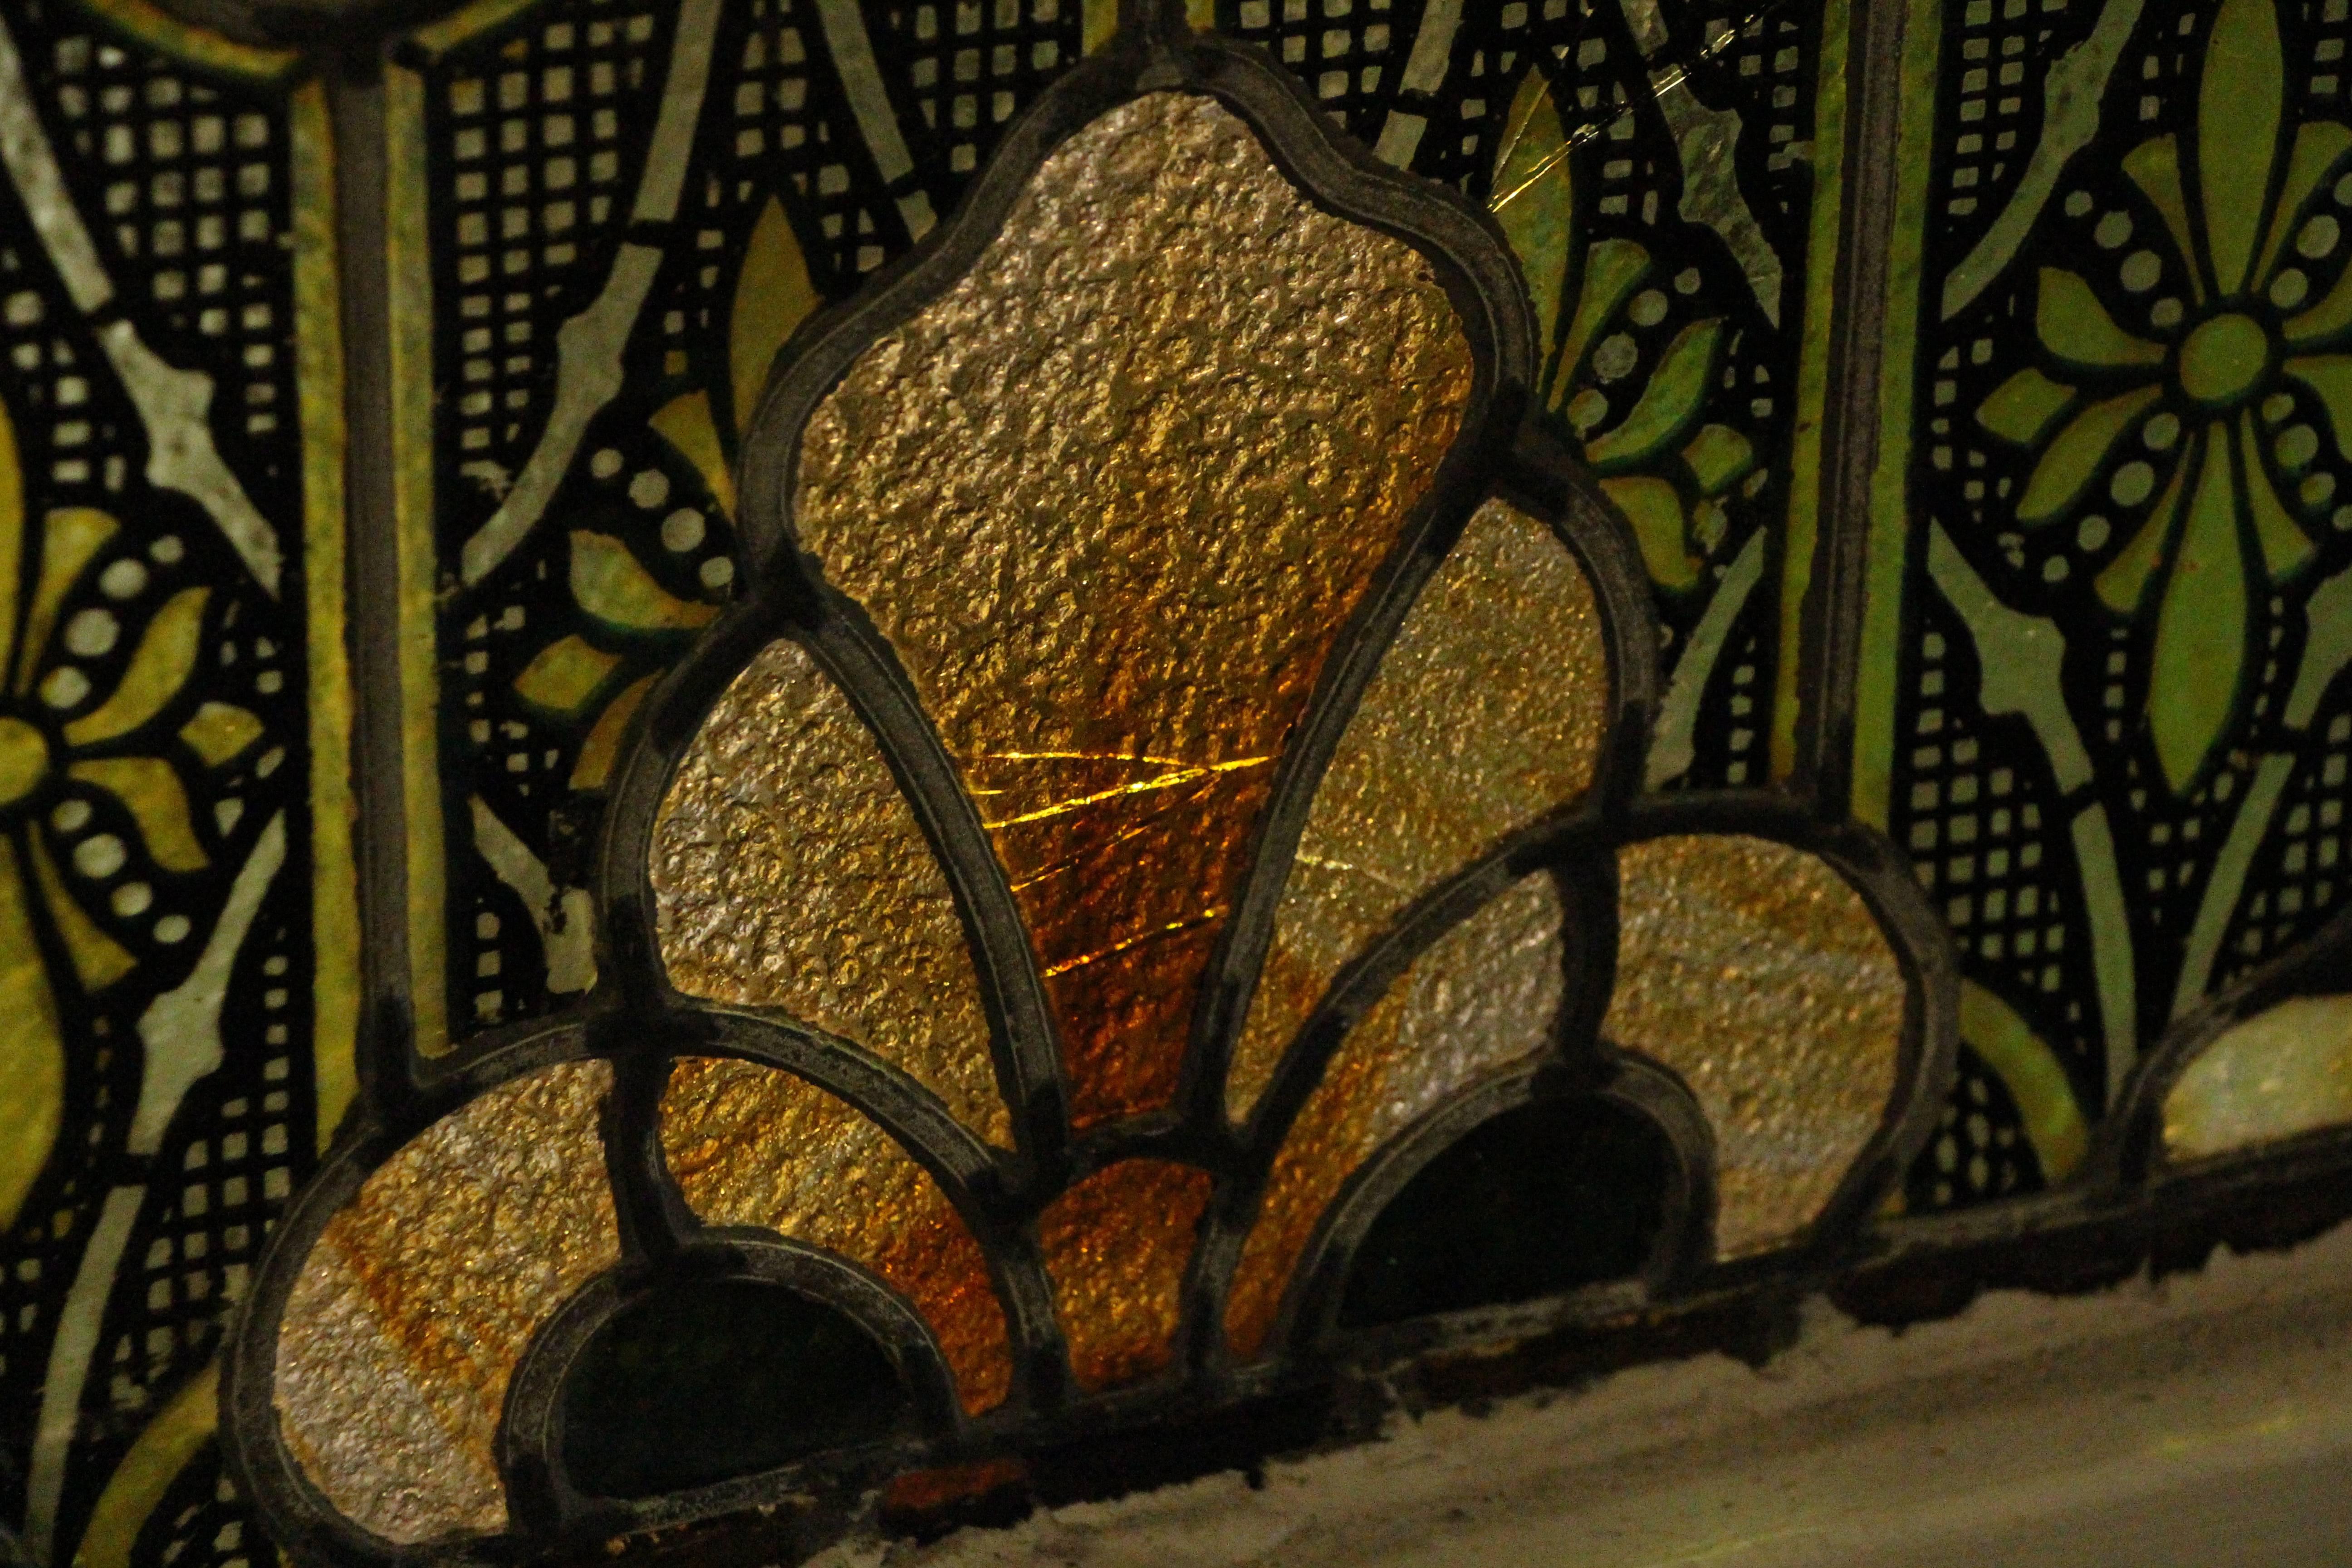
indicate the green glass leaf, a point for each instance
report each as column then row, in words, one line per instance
column 1669, row 403
column 2076, row 326
column 2286, row 548
column 2318, row 147
column 2034, row 1078
column 2200, row 634
column 1655, row 511
column 2330, row 375
column 1534, row 201
column 1611, row 268
column 2239, row 103
column 1717, row 457
column 610, row 586
column 2123, row 586
column 2021, row 408
column 2155, row 167
column 2067, row 467
column 2326, row 319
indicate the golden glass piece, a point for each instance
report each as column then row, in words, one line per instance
column 220, row 731
column 1486, row 994
column 32, row 1047
column 602, row 749
column 2277, row 1074
column 421, row 1295
column 773, row 296
column 1116, row 1246
column 1111, row 499
column 98, row 959
column 70, row 537
column 754, row 1145
column 158, row 803
column 565, row 674
column 789, row 872
column 686, row 424
column 1487, row 712
column 23, row 759
column 1756, row 972
column 166, row 657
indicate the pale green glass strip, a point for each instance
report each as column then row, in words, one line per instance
column 1804, row 537
column 2030, row 1070
column 2111, row 945
column 1876, row 688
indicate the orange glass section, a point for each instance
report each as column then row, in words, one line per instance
column 1486, row 994
column 1112, row 499
column 749, row 1144
column 1116, row 1246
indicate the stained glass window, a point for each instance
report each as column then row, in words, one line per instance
column 760, row 752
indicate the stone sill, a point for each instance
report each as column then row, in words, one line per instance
column 2199, row 1420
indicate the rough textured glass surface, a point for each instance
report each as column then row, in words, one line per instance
column 1670, row 174
column 753, row 1146
column 1106, row 512
column 789, row 872
column 1116, row 1246
column 1753, row 971
column 2101, row 697
column 1486, row 713
column 1112, row 499
column 1486, row 994
column 421, row 1295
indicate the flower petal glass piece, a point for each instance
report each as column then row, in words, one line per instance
column 790, row 873
column 1111, row 500
column 1486, row 714
column 1754, row 971
column 421, row 1294
column 1488, row 993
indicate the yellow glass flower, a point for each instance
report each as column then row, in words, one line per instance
column 60, row 741
column 2202, row 401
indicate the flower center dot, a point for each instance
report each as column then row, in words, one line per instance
column 24, row 758
column 2223, row 359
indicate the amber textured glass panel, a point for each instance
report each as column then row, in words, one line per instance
column 1111, row 499
column 1756, row 974
column 1487, row 994
column 1116, row 1246
column 422, row 1293
column 2279, row 1073
column 789, row 872
column 754, row 1145
column 1487, row 712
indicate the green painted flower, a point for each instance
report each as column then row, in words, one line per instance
column 1667, row 478
column 2201, row 400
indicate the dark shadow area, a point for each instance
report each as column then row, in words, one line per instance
column 1542, row 1199
column 703, row 1381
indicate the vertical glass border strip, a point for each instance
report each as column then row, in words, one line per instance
column 1888, row 519
column 407, row 240
column 1807, row 492
column 334, row 908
